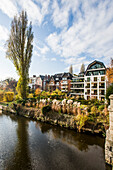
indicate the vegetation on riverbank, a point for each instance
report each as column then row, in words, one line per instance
column 65, row 113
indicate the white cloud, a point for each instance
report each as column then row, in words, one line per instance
column 53, row 59
column 36, row 12
column 3, row 33
column 90, row 34
column 60, row 14
column 41, row 48
column 8, row 8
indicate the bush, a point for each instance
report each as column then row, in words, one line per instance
column 94, row 110
column 8, row 96
column 21, row 101
column 46, row 109
column 101, row 107
column 81, row 119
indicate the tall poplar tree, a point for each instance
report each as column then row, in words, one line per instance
column 71, row 69
column 19, row 50
column 82, row 69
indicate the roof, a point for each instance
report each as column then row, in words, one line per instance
column 67, row 75
column 94, row 62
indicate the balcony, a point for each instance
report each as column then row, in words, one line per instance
column 64, row 87
column 64, row 83
column 88, row 87
column 75, row 93
column 102, row 87
column 94, row 87
column 77, row 87
column 64, row 90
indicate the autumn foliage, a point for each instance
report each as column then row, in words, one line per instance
column 37, row 92
column 8, row 96
column 109, row 72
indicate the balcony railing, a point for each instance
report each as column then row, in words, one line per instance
column 93, row 93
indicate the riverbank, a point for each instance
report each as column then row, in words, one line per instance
column 78, row 123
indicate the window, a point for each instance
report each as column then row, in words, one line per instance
column 65, row 82
column 95, row 66
column 95, row 78
column 88, row 79
column 89, row 73
column 95, row 72
column 102, row 72
column 102, row 78
column 64, row 78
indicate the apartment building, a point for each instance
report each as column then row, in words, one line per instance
column 66, row 82
column 92, row 83
column 61, row 81
column 95, row 81
column 77, row 85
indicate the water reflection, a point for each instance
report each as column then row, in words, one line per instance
column 35, row 145
column 81, row 141
column 21, row 155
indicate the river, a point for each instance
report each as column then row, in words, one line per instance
column 31, row 145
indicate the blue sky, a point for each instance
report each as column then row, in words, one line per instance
column 65, row 32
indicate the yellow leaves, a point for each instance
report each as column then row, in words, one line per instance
column 37, row 92
column 109, row 74
column 8, row 96
column 81, row 119
column 1, row 96
column 57, row 92
column 30, row 95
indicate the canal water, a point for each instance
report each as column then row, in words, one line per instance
column 31, row 145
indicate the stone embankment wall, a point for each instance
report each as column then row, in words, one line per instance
column 109, row 135
column 65, row 114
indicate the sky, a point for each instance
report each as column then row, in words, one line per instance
column 65, row 32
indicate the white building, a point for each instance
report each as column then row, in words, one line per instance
column 32, row 82
column 91, row 84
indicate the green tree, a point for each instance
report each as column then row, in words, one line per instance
column 19, row 50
